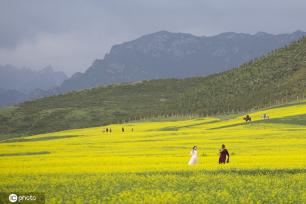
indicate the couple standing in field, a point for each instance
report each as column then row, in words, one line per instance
column 222, row 155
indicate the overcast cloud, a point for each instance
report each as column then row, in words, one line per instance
column 70, row 34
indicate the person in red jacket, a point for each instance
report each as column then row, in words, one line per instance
column 223, row 154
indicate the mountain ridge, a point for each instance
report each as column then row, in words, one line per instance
column 176, row 55
column 25, row 83
column 26, row 80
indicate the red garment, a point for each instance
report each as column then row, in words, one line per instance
column 223, row 154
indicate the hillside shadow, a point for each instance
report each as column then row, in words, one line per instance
column 290, row 120
column 24, row 154
column 176, row 128
column 38, row 139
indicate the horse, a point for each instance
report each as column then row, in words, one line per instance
column 247, row 118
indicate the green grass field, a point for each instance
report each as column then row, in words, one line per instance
column 149, row 165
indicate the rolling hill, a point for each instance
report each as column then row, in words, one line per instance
column 279, row 76
column 267, row 161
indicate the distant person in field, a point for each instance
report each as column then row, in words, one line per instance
column 194, row 156
column 106, row 129
column 266, row 116
column 122, row 129
column 110, row 130
column 223, row 153
column 247, row 118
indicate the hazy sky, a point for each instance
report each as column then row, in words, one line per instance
column 70, row 34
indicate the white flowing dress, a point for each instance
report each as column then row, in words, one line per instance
column 194, row 157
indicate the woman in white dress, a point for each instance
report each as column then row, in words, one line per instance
column 194, row 156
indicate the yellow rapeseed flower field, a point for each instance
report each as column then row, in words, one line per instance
column 149, row 164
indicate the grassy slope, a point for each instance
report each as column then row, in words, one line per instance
column 149, row 164
column 281, row 75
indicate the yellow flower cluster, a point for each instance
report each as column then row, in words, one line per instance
column 147, row 163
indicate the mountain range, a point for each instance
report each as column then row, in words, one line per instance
column 278, row 77
column 20, row 84
column 158, row 55
column 176, row 55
